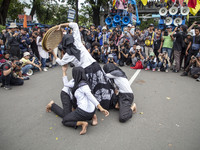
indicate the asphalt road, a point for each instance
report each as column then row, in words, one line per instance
column 168, row 116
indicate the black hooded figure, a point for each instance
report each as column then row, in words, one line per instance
column 126, row 96
column 68, row 46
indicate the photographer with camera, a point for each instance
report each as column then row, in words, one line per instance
column 195, row 45
column 8, row 70
column 164, row 62
column 105, row 50
column 89, row 39
column 179, row 45
column 33, row 39
column 193, row 67
column 111, row 59
column 113, row 51
column 137, row 57
column 139, row 38
column 103, row 36
column 149, row 37
column 24, row 41
column 122, row 55
column 96, row 53
column 13, row 40
column 167, row 41
column 151, row 62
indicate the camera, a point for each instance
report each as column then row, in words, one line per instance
column 19, row 64
column 193, row 57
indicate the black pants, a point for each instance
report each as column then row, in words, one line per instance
column 10, row 80
column 72, row 118
column 125, row 102
column 191, row 52
column 67, row 105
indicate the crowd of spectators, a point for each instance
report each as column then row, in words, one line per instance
column 152, row 49
column 22, row 53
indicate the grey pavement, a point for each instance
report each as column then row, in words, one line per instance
column 168, row 116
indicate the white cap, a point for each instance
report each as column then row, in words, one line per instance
column 104, row 28
column 138, row 47
column 26, row 54
column 129, row 25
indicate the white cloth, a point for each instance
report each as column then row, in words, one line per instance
column 55, row 52
column 67, row 86
column 85, row 58
column 42, row 52
column 122, row 83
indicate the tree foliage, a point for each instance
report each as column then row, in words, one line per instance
column 49, row 13
column 85, row 15
column 10, row 9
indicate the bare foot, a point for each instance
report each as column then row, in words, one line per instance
column 117, row 106
column 134, row 108
column 48, row 107
column 84, row 128
column 94, row 120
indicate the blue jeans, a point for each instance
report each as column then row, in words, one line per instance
column 26, row 68
column 104, row 58
column 160, row 65
column 43, row 61
column 150, row 64
column 168, row 50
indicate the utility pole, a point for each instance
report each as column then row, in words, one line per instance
column 76, row 11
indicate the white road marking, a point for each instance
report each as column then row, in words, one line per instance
column 134, row 76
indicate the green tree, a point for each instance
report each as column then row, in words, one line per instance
column 96, row 5
column 85, row 15
column 10, row 9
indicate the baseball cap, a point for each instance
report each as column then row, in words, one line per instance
column 151, row 25
column 138, row 47
column 26, row 54
column 169, row 27
column 129, row 25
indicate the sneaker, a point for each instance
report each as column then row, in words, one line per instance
column 176, row 71
column 2, row 85
column 26, row 78
column 158, row 70
column 50, row 65
column 166, row 70
column 153, row 69
column 147, row 69
column 30, row 72
column 45, row 69
column 184, row 74
column 198, row 79
column 7, row 87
